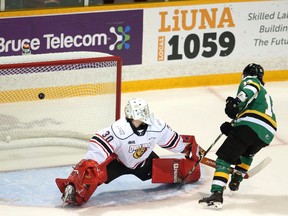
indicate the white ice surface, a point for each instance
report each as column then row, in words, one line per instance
column 197, row 111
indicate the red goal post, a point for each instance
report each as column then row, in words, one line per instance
column 59, row 95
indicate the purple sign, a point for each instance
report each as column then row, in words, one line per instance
column 118, row 33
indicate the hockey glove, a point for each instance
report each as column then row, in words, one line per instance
column 188, row 151
column 226, row 128
column 231, row 108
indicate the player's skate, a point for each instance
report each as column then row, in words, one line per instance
column 68, row 196
column 236, row 178
column 214, row 201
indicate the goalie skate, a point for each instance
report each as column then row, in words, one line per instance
column 68, row 196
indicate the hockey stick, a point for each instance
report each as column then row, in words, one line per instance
column 219, row 136
column 250, row 173
column 197, row 163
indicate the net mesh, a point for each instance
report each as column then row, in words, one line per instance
column 51, row 68
column 71, row 99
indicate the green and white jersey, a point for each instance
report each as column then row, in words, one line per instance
column 258, row 114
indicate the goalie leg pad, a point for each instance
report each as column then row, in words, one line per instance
column 186, row 167
column 86, row 176
column 172, row 170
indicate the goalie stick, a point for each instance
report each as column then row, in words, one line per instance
column 250, row 173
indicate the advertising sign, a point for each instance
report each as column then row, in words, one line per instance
column 217, row 34
column 117, row 33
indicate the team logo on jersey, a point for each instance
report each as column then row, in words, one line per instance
column 139, row 152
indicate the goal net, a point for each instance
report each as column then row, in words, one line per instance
column 63, row 96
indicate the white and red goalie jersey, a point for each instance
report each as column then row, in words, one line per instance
column 132, row 149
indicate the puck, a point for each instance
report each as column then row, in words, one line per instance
column 41, row 96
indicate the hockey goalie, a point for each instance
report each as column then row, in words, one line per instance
column 126, row 147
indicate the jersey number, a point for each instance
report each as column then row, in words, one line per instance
column 107, row 136
column 269, row 110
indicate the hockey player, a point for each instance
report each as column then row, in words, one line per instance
column 253, row 129
column 126, row 147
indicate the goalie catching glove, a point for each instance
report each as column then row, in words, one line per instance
column 192, row 150
column 188, row 151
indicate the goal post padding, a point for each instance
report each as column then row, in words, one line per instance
column 66, row 95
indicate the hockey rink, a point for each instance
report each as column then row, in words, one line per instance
column 195, row 111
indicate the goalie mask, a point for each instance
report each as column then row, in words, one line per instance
column 137, row 109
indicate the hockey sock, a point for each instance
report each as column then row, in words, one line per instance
column 221, row 175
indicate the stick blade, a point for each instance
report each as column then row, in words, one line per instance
column 258, row 168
